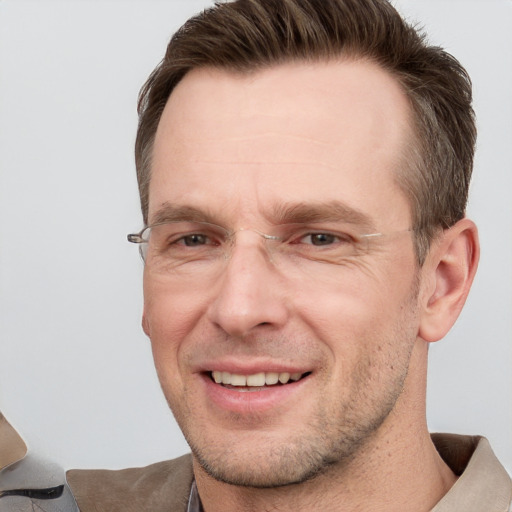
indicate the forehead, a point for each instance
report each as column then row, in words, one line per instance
column 295, row 132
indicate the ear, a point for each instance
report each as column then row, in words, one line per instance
column 449, row 271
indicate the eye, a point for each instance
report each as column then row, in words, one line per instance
column 323, row 239
column 194, row 240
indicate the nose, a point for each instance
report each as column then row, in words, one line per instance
column 251, row 294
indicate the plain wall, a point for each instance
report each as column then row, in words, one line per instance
column 76, row 372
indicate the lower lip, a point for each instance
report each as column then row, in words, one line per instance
column 246, row 401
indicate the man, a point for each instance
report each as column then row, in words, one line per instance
column 303, row 169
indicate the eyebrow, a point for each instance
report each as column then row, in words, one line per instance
column 332, row 211
column 286, row 213
column 172, row 213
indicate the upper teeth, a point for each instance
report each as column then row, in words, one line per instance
column 256, row 379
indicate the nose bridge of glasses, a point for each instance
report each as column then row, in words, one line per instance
column 263, row 235
column 246, row 237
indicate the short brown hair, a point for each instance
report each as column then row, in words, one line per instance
column 246, row 35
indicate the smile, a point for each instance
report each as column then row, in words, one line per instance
column 256, row 380
column 252, row 392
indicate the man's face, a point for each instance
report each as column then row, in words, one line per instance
column 315, row 146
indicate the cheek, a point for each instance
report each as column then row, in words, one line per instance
column 349, row 303
column 170, row 316
column 169, row 310
column 357, row 312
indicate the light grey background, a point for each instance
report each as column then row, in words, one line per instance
column 76, row 373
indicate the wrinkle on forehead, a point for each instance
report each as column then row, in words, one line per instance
column 269, row 134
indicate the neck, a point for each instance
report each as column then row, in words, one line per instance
column 398, row 468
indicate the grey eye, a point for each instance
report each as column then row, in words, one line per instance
column 322, row 239
column 194, row 240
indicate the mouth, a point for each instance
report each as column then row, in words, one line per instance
column 255, row 381
column 252, row 392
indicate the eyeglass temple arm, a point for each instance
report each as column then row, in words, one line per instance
column 135, row 238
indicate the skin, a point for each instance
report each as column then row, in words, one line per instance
column 233, row 148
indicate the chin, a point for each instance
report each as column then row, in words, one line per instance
column 288, row 466
column 266, row 461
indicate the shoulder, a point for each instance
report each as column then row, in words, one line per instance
column 163, row 486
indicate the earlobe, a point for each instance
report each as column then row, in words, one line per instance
column 145, row 324
column 452, row 264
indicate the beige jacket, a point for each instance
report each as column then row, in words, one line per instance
column 483, row 486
